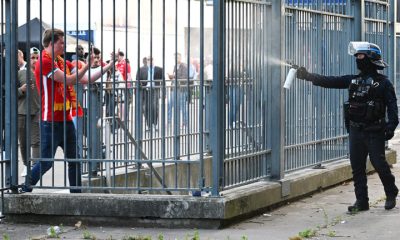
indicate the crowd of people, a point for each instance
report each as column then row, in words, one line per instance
column 51, row 97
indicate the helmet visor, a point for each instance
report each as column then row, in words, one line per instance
column 357, row 47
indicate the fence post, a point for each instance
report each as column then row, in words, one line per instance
column 11, row 136
column 392, row 41
column 277, row 105
column 217, row 115
column 359, row 25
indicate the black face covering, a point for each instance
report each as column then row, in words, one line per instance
column 365, row 65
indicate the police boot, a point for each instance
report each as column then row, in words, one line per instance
column 390, row 202
column 358, row 206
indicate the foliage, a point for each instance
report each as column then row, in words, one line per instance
column 308, row 233
column 331, row 233
column 53, row 233
column 88, row 235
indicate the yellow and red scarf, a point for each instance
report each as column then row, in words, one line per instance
column 70, row 100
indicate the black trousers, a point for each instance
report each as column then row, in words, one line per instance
column 150, row 104
column 362, row 144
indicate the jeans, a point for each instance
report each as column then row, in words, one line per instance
column 79, row 127
column 372, row 143
column 48, row 150
column 150, row 105
column 182, row 105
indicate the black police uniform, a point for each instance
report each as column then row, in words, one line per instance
column 370, row 97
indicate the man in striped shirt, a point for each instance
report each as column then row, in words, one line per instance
column 58, row 104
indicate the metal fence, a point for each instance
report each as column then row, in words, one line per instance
column 397, row 68
column 316, row 37
column 219, row 120
column 247, row 91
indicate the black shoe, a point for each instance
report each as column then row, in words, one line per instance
column 390, row 202
column 358, row 206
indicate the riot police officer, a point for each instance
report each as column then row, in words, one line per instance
column 371, row 117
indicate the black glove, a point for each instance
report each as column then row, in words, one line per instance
column 302, row 73
column 389, row 134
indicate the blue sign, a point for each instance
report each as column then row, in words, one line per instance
column 310, row 2
column 82, row 34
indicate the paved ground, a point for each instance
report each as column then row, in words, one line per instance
column 322, row 214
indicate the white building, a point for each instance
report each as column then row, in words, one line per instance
column 117, row 26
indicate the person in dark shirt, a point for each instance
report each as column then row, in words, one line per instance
column 371, row 98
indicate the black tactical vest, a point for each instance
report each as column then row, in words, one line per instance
column 364, row 105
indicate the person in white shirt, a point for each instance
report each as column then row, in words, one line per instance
column 96, row 74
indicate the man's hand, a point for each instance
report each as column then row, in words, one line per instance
column 302, row 73
column 389, row 134
column 23, row 88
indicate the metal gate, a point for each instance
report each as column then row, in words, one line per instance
column 247, row 91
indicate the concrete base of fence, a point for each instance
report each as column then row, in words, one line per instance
column 175, row 211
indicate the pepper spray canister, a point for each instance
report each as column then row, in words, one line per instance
column 290, row 76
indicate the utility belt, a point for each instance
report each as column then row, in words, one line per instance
column 378, row 125
column 368, row 112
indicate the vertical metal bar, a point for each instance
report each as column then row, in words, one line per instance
column 125, row 104
column 151, row 89
column 2, row 81
column 127, row 93
column 28, row 118
column 104, row 94
column 2, row 90
column 64, row 103
column 267, row 92
column 319, row 94
column 188, row 135
column 202, row 89
column 229, row 76
column 217, row 93
column 138, row 108
column 13, row 97
column 226, row 85
column 2, row 113
column 11, row 137
column 163, row 94
column 277, row 106
column 176, row 105
column 114, row 122
column 359, row 24
column 93, row 110
column 40, row 73
column 392, row 41
column 13, row 110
